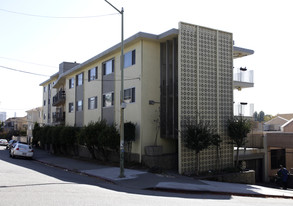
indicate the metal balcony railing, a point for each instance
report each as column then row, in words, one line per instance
column 59, row 98
column 243, row 75
column 243, row 109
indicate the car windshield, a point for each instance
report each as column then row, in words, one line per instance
column 22, row 146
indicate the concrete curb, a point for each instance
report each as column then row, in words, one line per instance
column 184, row 191
column 76, row 171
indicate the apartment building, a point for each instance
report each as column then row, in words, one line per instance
column 181, row 75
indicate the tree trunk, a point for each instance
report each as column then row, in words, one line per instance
column 237, row 158
column 198, row 165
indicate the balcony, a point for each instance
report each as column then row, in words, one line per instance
column 59, row 98
column 243, row 78
column 59, row 117
column 243, row 109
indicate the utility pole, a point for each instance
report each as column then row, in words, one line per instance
column 122, row 104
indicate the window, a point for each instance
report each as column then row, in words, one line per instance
column 93, row 103
column 44, row 116
column 70, row 107
column 108, row 99
column 49, row 87
column 278, row 158
column 93, row 74
column 49, row 102
column 71, row 83
column 129, row 95
column 79, row 105
column 129, row 58
column 45, row 89
column 79, row 79
column 44, row 102
column 108, row 67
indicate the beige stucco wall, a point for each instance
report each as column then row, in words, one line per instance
column 92, row 89
column 150, row 88
column 70, row 97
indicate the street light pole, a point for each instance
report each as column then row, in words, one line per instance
column 122, row 105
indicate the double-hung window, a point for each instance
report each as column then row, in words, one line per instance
column 108, row 67
column 92, row 103
column 70, row 107
column 71, row 82
column 79, row 79
column 129, row 58
column 79, row 105
column 129, row 95
column 108, row 99
column 93, row 74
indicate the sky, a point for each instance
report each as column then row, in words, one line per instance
column 36, row 36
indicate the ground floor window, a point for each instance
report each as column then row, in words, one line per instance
column 92, row 103
column 79, row 105
column 108, row 99
column 129, row 95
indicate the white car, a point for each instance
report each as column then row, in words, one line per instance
column 21, row 150
column 3, row 142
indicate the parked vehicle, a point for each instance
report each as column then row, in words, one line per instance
column 3, row 142
column 21, row 150
column 10, row 143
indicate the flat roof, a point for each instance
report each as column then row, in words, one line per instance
column 237, row 51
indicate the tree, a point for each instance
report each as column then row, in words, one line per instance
column 238, row 128
column 198, row 137
column 261, row 116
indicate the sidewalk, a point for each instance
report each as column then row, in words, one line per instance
column 139, row 179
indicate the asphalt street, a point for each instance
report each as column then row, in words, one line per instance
column 29, row 182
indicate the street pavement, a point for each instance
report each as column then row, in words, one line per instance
column 169, row 182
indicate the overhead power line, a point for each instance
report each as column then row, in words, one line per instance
column 58, row 17
column 28, row 62
column 17, row 70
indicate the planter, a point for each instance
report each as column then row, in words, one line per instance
column 153, row 150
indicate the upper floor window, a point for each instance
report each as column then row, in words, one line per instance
column 93, row 74
column 44, row 117
column 129, row 58
column 44, row 102
column 79, row 79
column 79, row 105
column 129, row 95
column 70, row 107
column 108, row 67
column 49, row 87
column 71, row 82
column 45, row 88
column 93, row 103
column 49, row 101
column 108, row 99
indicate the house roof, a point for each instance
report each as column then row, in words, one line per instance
column 276, row 121
column 286, row 116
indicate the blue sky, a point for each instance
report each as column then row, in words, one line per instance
column 263, row 26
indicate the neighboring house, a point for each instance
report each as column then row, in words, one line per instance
column 270, row 145
column 15, row 123
column 181, row 75
column 33, row 116
column 276, row 123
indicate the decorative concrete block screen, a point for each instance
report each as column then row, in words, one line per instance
column 205, row 92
